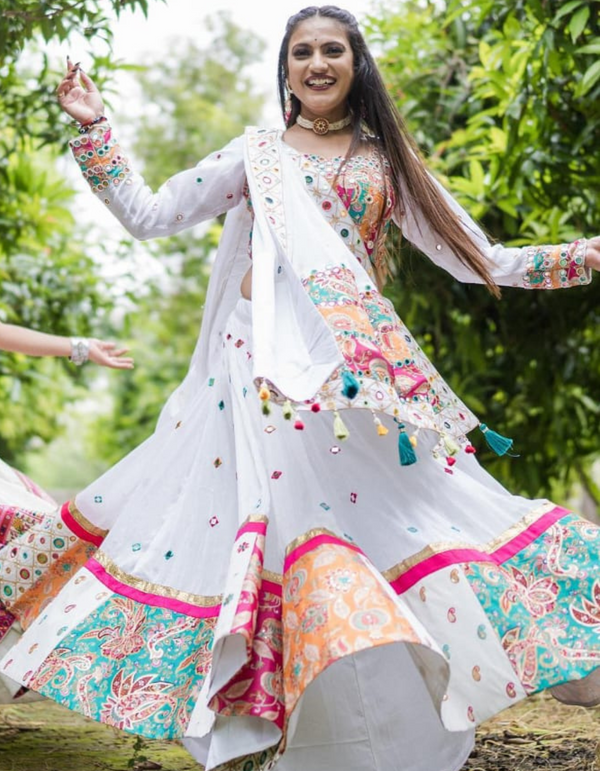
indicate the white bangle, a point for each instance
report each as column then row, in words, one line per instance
column 80, row 350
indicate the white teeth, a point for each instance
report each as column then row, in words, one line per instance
column 320, row 82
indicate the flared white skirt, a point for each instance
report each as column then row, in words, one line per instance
column 274, row 595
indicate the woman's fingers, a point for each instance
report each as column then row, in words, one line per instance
column 68, row 83
column 108, row 355
column 119, row 363
column 78, row 95
column 87, row 81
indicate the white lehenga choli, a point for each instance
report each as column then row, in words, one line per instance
column 268, row 582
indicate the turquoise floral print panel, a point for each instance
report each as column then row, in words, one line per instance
column 545, row 603
column 132, row 666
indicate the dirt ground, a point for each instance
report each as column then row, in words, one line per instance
column 536, row 735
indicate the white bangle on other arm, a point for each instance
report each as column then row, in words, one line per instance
column 80, row 350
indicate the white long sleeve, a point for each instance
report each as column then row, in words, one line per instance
column 529, row 267
column 211, row 188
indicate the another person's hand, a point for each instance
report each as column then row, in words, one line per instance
column 592, row 253
column 78, row 95
column 108, row 355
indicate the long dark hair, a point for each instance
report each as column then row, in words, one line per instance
column 370, row 102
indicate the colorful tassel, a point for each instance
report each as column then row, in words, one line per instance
column 263, row 393
column 413, row 438
column 496, row 442
column 339, row 429
column 405, row 448
column 315, row 407
column 287, row 410
column 470, row 450
column 381, row 429
column 299, row 425
column 451, row 446
column 351, row 384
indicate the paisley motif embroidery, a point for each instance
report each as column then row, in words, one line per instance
column 132, row 666
column 545, row 603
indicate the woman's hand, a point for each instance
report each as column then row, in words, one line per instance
column 108, row 355
column 78, row 95
column 592, row 253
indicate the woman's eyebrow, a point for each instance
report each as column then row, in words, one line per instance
column 310, row 44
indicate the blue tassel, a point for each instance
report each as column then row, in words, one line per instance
column 351, row 385
column 405, row 448
column 496, row 442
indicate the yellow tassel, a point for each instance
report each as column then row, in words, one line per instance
column 263, row 393
column 339, row 429
column 413, row 438
column 381, row 429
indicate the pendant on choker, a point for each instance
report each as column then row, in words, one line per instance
column 322, row 126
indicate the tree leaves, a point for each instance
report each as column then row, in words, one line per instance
column 47, row 278
column 509, row 112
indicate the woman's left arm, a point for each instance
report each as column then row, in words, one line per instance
column 551, row 266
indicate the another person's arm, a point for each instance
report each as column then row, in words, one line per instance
column 32, row 343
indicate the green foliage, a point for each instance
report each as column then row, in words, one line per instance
column 28, row 107
column 198, row 100
column 48, row 281
column 503, row 98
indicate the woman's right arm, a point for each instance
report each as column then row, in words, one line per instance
column 213, row 187
column 33, row 343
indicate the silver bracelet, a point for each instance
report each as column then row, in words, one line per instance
column 80, row 350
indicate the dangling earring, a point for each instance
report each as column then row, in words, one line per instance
column 287, row 109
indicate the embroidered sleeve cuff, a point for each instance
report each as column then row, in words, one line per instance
column 556, row 267
column 100, row 158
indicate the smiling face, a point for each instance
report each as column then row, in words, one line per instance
column 320, row 67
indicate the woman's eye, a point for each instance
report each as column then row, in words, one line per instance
column 299, row 53
column 335, row 50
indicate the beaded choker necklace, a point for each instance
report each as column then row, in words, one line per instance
column 322, row 126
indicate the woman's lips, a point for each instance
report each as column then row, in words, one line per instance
column 319, row 84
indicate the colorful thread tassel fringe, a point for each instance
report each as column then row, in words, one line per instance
column 339, row 428
column 405, row 449
column 351, row 385
column 451, row 446
column 496, row 442
column 264, row 395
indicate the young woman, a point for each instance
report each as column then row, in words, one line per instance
column 23, row 504
column 271, row 583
